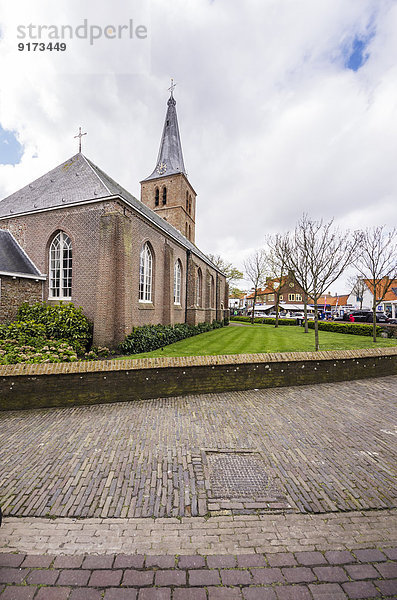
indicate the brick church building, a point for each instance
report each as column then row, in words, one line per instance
column 126, row 262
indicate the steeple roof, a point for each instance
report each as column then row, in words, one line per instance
column 170, row 157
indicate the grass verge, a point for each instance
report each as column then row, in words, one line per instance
column 262, row 338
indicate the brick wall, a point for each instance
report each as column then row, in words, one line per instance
column 107, row 238
column 175, row 211
column 15, row 291
column 68, row 384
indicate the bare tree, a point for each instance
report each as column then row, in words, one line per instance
column 298, row 263
column 322, row 254
column 276, row 250
column 358, row 287
column 255, row 269
column 232, row 273
column 378, row 263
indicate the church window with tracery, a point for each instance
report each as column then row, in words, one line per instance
column 164, row 195
column 157, row 197
column 145, row 274
column 61, row 267
column 212, row 292
column 199, row 287
column 177, row 282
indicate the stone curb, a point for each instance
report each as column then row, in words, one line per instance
column 187, row 361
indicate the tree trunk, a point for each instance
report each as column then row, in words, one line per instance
column 277, row 309
column 374, row 317
column 316, row 344
column 253, row 309
column 305, row 315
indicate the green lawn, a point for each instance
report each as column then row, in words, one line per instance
column 263, row 338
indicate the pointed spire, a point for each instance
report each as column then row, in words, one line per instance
column 170, row 157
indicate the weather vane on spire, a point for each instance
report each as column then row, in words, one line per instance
column 172, row 86
column 80, row 135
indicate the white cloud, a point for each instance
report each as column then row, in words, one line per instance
column 272, row 124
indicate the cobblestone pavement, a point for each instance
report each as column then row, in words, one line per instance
column 296, row 488
column 320, row 448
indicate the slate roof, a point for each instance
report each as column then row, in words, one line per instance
column 170, row 157
column 79, row 180
column 13, row 259
column 72, row 181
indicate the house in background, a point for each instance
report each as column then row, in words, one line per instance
column 237, row 303
column 388, row 305
column 291, row 295
column 336, row 303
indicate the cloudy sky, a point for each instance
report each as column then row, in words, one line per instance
column 284, row 106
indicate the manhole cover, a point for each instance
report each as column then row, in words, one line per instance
column 239, row 474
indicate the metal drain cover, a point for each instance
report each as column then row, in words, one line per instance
column 239, row 475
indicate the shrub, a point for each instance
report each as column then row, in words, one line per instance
column 47, row 351
column 269, row 321
column 151, row 337
column 247, row 319
column 265, row 320
column 350, row 328
column 61, row 322
column 28, row 332
column 97, row 352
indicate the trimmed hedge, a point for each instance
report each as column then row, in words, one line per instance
column 265, row 320
column 350, row 328
column 151, row 337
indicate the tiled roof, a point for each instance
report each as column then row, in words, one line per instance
column 391, row 293
column 262, row 292
column 80, row 180
column 334, row 300
column 13, row 259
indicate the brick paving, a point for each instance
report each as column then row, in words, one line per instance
column 322, row 448
column 193, row 577
column 326, row 530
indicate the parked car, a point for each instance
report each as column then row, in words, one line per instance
column 301, row 315
column 345, row 316
column 366, row 316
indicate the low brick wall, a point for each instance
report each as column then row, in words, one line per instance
column 70, row 384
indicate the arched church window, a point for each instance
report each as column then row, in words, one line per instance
column 199, row 287
column 164, row 195
column 60, row 285
column 157, row 197
column 190, row 205
column 212, row 292
column 177, row 282
column 145, row 274
column 187, row 202
column 190, row 232
column 186, row 230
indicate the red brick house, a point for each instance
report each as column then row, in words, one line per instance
column 125, row 261
column 291, row 294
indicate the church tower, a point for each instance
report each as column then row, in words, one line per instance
column 167, row 190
